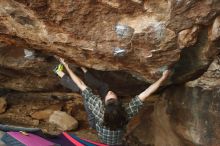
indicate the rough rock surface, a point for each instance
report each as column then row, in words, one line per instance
column 186, row 115
column 188, row 37
column 3, row 105
column 127, row 43
column 63, row 121
column 22, row 107
column 85, row 32
column 45, row 113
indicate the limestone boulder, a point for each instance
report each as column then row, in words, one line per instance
column 45, row 113
column 63, row 121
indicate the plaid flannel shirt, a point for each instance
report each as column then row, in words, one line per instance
column 106, row 135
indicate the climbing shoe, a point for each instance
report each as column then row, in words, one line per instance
column 58, row 68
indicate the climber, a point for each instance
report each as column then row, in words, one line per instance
column 107, row 117
column 67, row 82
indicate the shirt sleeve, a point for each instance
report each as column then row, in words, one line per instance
column 94, row 103
column 134, row 106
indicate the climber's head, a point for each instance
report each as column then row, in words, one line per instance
column 115, row 116
column 110, row 95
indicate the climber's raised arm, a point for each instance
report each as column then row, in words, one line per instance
column 73, row 76
column 152, row 88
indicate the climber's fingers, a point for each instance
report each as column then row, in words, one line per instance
column 167, row 73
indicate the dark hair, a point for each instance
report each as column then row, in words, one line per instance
column 115, row 116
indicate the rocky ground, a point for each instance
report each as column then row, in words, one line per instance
column 36, row 110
